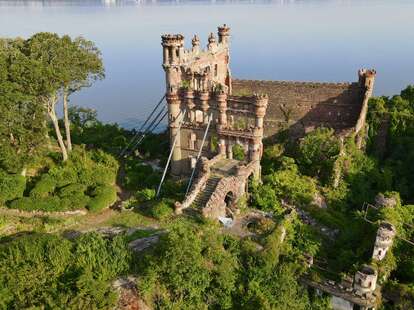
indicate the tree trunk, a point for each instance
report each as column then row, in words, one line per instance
column 52, row 114
column 66, row 121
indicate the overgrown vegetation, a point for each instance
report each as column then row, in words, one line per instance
column 46, row 271
column 86, row 180
column 320, row 165
column 195, row 265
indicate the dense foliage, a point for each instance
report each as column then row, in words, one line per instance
column 393, row 119
column 45, row 271
column 195, row 267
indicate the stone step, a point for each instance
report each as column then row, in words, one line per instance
column 203, row 197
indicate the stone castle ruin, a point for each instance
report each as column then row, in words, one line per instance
column 383, row 241
column 225, row 119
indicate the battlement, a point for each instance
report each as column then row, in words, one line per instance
column 172, row 40
column 294, row 83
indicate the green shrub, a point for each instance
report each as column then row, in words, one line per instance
column 145, row 194
column 47, row 204
column 161, row 209
column 238, row 152
column 11, row 187
column 289, row 184
column 103, row 175
column 63, row 175
column 90, row 168
column 44, row 187
column 318, row 152
column 139, row 175
column 72, row 189
column 73, row 197
column 75, row 202
column 102, row 197
column 264, row 198
column 173, row 189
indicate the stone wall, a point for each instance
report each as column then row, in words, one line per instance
column 198, row 184
column 302, row 106
column 236, row 185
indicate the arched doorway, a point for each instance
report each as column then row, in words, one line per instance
column 250, row 182
column 229, row 199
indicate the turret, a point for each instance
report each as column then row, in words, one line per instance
column 260, row 104
column 223, row 34
column 366, row 78
column 211, row 42
column 196, row 44
column 365, row 280
column 385, row 236
column 173, row 48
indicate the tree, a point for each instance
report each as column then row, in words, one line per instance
column 48, row 50
column 22, row 116
column 67, row 65
column 82, row 66
column 191, row 269
column 318, row 152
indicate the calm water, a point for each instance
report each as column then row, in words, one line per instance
column 311, row 40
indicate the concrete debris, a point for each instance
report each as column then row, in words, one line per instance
column 226, row 221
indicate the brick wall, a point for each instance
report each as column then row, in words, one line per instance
column 301, row 106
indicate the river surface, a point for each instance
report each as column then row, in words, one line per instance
column 308, row 40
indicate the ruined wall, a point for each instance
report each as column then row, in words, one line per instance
column 301, row 106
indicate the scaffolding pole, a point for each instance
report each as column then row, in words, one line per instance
column 171, row 152
column 199, row 154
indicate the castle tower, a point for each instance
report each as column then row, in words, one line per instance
column 192, row 77
column 366, row 79
column 173, row 51
column 385, row 236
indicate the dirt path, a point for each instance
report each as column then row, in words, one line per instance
column 20, row 213
column 92, row 220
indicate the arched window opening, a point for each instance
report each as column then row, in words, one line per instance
column 229, row 199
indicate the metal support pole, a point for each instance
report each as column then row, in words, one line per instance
column 171, row 152
column 199, row 154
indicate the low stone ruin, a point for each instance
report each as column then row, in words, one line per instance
column 385, row 202
column 365, row 281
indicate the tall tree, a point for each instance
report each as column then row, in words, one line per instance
column 22, row 116
column 47, row 48
column 82, row 66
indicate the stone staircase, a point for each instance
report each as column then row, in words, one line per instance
column 203, row 197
